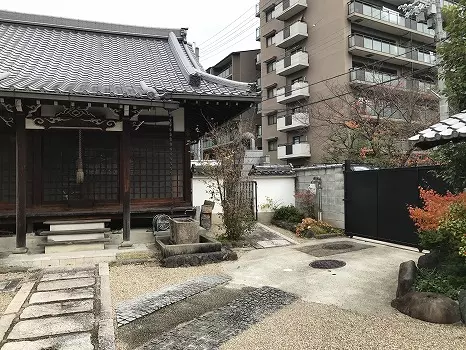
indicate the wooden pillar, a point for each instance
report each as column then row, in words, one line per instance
column 126, row 181
column 21, row 179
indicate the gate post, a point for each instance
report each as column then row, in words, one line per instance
column 346, row 170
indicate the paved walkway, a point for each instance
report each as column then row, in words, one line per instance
column 67, row 310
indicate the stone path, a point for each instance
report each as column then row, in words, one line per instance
column 131, row 310
column 67, row 310
column 262, row 237
column 214, row 328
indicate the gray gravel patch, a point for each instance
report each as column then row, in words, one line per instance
column 151, row 326
column 129, row 311
column 212, row 329
column 303, row 326
column 326, row 249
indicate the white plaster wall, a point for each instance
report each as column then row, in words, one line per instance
column 280, row 189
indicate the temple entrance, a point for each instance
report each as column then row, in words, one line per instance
column 63, row 153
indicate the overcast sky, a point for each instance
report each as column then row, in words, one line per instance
column 204, row 18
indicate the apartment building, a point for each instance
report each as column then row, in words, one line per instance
column 304, row 42
column 241, row 66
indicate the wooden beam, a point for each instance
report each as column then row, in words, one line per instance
column 21, row 179
column 126, row 181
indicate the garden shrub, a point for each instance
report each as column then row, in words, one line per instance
column 288, row 213
column 310, row 227
column 305, row 201
column 440, row 281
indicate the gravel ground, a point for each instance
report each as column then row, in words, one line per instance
column 317, row 326
column 151, row 277
column 6, row 297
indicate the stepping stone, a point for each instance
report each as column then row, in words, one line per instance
column 273, row 243
column 66, row 284
column 56, row 309
column 67, row 275
column 62, row 295
column 79, row 341
column 129, row 311
column 46, row 327
column 214, row 328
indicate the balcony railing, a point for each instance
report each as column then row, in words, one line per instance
column 387, row 48
column 258, row 10
column 258, row 34
column 368, row 76
column 258, row 59
column 293, row 63
column 291, row 35
column 391, row 18
column 295, row 92
column 289, row 8
column 295, row 150
column 293, row 122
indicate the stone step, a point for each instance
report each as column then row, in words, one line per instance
column 72, row 232
column 84, row 221
column 77, row 226
column 80, row 237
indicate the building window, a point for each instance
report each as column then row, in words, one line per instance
column 272, row 92
column 272, row 145
column 271, row 66
column 270, row 15
column 226, row 73
column 270, row 40
column 299, row 139
column 272, row 119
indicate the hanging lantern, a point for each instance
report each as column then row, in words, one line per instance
column 79, row 162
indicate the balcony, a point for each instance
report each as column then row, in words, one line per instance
column 293, row 122
column 370, row 77
column 365, row 46
column 388, row 21
column 258, row 34
column 291, row 93
column 259, row 84
column 258, row 10
column 288, row 8
column 293, row 63
column 259, row 108
column 296, row 150
column 291, row 35
column 258, row 59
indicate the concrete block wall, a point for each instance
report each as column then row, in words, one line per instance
column 333, row 209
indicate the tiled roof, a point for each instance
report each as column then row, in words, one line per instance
column 276, row 170
column 453, row 128
column 60, row 56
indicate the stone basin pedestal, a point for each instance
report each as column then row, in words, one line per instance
column 184, row 230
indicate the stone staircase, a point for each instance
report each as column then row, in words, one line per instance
column 75, row 235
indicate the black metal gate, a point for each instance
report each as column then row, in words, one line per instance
column 376, row 201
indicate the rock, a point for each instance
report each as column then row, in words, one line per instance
column 428, row 261
column 430, row 307
column 406, row 276
column 206, row 221
column 462, row 301
column 199, row 258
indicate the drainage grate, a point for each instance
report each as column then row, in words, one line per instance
column 327, row 264
column 338, row 246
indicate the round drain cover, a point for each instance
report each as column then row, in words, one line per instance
column 327, row 264
column 338, row 246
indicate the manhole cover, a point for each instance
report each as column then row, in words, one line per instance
column 338, row 246
column 327, row 264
